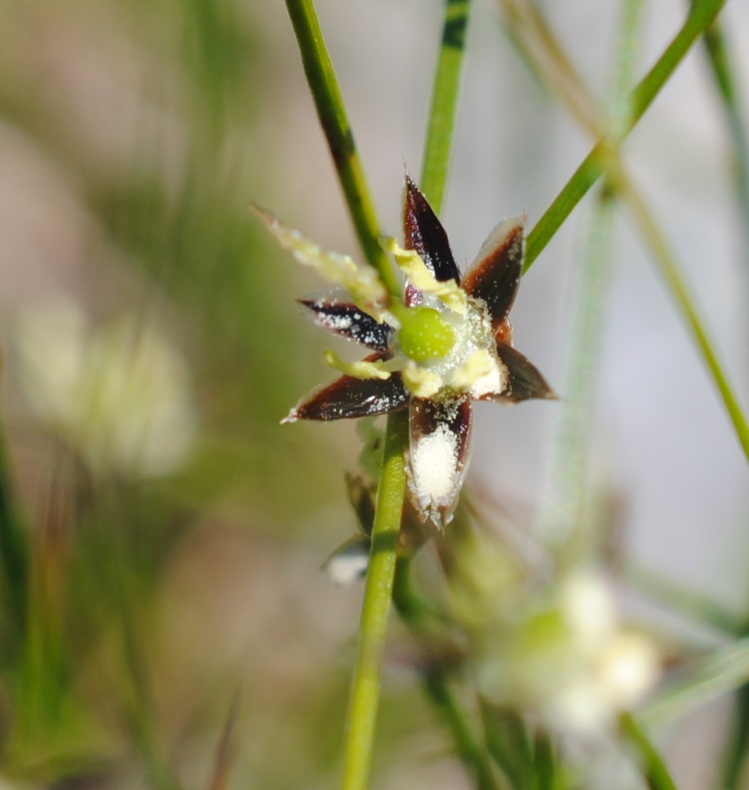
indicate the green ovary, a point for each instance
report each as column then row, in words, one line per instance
column 424, row 335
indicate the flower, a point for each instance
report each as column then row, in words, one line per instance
column 561, row 653
column 120, row 394
column 445, row 343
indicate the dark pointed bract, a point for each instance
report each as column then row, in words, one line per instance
column 495, row 274
column 424, row 233
column 438, row 455
column 346, row 319
column 348, row 397
column 525, row 382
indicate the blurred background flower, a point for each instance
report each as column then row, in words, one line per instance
column 121, row 396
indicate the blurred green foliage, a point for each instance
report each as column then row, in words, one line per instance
column 134, row 611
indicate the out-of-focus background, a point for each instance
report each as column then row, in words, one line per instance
column 151, row 345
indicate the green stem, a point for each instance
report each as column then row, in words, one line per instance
column 365, row 687
column 684, row 601
column 14, row 562
column 564, row 511
column 722, row 672
column 672, row 275
column 653, row 768
column 339, row 135
column 468, row 750
column 718, row 55
column 734, row 758
column 435, row 681
column 592, row 166
column 365, row 690
column 444, row 102
column 604, row 157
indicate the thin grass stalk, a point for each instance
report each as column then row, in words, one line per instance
column 471, row 754
column 563, row 511
column 415, row 615
column 679, row 290
column 535, row 41
column 725, row 670
column 723, row 74
column 563, row 514
column 14, row 562
column 653, row 768
column 365, row 686
column 590, row 170
column 604, row 157
column 435, row 169
column 340, row 138
column 444, row 105
column 735, row 756
column 684, row 601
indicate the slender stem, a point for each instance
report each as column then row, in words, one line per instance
column 719, row 59
column 334, row 120
column 547, row 61
column 470, row 753
column 720, row 64
column 604, row 157
column 672, row 275
column 444, row 102
column 734, row 758
column 684, row 601
column 562, row 515
column 14, row 561
column 653, row 768
column 723, row 671
column 365, row 687
column 435, row 678
column 564, row 511
column 593, row 165
column 433, row 183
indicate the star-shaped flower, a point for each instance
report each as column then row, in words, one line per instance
column 446, row 343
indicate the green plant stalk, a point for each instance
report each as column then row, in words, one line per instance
column 671, row 273
column 734, row 758
column 604, row 158
column 470, row 753
column 435, row 167
column 684, row 601
column 592, row 167
column 653, row 768
column 534, row 39
column 14, row 562
column 737, row 746
column 563, row 514
column 722, row 70
column 444, row 102
column 365, row 686
column 415, row 614
column 340, row 138
column 722, row 672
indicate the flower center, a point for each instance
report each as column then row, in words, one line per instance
column 425, row 335
column 448, row 353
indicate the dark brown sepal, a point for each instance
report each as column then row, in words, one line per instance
column 524, row 380
column 348, row 397
column 344, row 318
column 495, row 274
column 424, row 233
column 438, row 456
